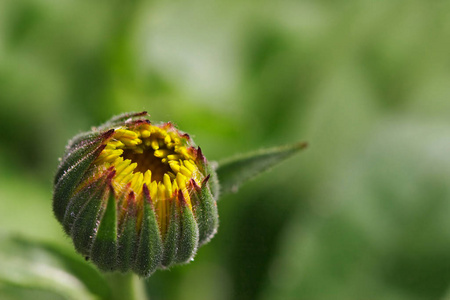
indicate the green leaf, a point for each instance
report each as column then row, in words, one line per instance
column 235, row 171
column 46, row 271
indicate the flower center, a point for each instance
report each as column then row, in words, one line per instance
column 157, row 156
column 148, row 161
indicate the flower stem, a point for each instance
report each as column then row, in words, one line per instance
column 126, row 286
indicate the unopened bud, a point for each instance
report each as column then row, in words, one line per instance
column 136, row 196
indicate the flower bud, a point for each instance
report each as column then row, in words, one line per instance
column 136, row 196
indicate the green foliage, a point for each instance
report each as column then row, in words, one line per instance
column 237, row 170
column 46, row 271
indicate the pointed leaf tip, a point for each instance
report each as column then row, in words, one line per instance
column 234, row 171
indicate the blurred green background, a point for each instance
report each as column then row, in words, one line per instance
column 363, row 213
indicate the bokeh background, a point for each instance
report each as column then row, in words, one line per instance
column 363, row 213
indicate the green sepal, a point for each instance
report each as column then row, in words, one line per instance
column 85, row 226
column 79, row 200
column 79, row 150
column 81, row 139
column 87, row 137
column 189, row 233
column 234, row 171
column 104, row 247
column 149, row 252
column 172, row 234
column 121, row 119
column 128, row 237
column 69, row 182
column 213, row 182
column 210, row 170
column 205, row 210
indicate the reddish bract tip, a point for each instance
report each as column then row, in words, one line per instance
column 108, row 134
column 131, row 198
column 111, row 172
column 137, row 123
column 142, row 113
column 168, row 125
column 146, row 192
column 194, row 185
column 181, row 198
column 200, row 155
column 186, row 136
column 205, row 181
